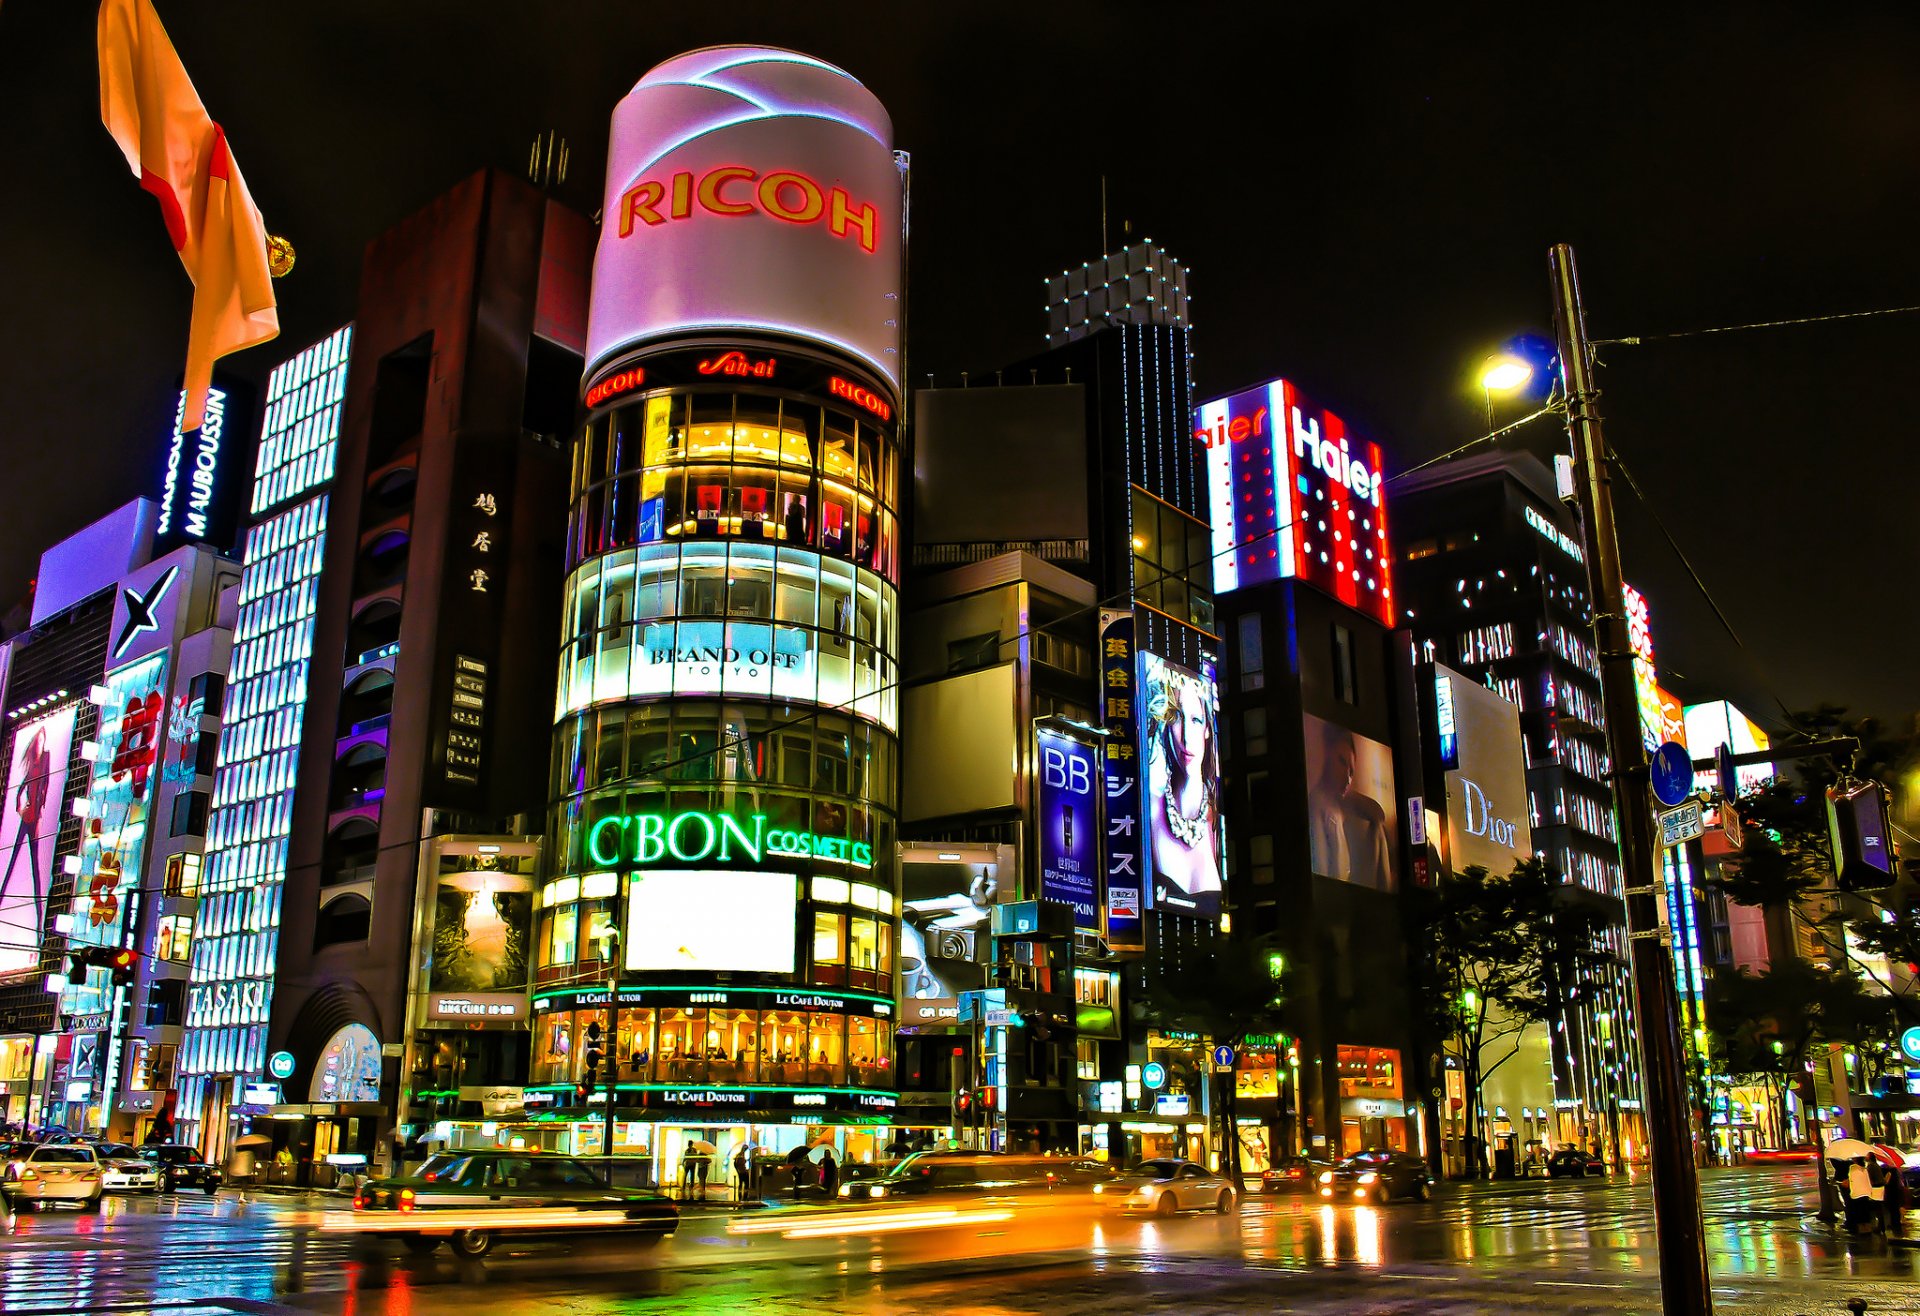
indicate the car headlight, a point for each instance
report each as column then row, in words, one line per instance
column 1326, row 1176
column 846, row 1190
column 878, row 1190
column 28, row 1173
column 1099, row 1188
column 1368, row 1177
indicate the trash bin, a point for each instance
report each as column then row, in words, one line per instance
column 1503, row 1162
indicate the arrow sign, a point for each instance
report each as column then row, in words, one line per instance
column 1672, row 772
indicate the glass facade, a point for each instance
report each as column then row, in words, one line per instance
column 252, row 806
column 725, row 723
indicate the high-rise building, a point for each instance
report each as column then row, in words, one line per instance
column 715, row 949
column 1492, row 581
column 250, row 810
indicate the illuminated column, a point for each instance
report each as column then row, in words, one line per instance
column 236, row 939
column 725, row 753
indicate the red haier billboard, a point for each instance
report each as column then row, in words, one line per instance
column 1294, row 492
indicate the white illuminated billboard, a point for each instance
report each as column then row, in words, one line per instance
column 750, row 189
column 710, row 921
column 1487, row 814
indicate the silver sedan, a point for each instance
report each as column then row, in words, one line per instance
column 1168, row 1186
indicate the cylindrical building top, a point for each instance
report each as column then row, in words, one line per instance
column 749, row 190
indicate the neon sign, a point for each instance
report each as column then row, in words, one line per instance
column 736, row 363
column 697, row 836
column 860, row 397
column 197, row 491
column 624, row 381
column 782, row 194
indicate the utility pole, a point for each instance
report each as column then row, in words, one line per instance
column 1685, row 1289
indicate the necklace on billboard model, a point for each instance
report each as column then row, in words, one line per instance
column 1189, row 831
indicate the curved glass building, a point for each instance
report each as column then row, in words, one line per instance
column 719, row 925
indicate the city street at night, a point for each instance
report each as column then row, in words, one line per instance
column 1576, row 1246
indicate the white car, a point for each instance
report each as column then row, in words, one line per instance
column 128, row 1173
column 54, row 1173
column 1167, row 1185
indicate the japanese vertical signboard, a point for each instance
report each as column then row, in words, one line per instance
column 1124, row 886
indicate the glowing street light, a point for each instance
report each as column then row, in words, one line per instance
column 1504, row 374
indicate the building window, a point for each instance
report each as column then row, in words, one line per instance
column 183, row 875
column 1253, row 726
column 190, row 813
column 1086, row 1054
column 207, row 753
column 174, row 939
column 1253, row 659
column 209, row 689
column 166, row 1002
column 1346, row 683
column 1172, row 561
column 973, row 652
column 1260, row 860
column 829, row 949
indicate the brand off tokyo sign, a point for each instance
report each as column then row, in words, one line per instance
column 750, row 189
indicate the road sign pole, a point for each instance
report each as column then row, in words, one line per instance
column 1684, row 1284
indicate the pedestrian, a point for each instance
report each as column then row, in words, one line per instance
column 829, row 1174
column 1894, row 1205
column 799, row 1169
column 1862, row 1203
column 702, row 1162
column 742, row 1166
column 687, row 1159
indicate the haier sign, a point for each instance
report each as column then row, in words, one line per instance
column 1487, row 810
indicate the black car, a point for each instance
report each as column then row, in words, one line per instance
column 1295, row 1174
column 1570, row 1162
column 952, row 1171
column 545, row 1193
column 1378, row 1176
column 181, row 1167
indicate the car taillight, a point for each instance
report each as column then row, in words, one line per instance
column 359, row 1202
column 406, row 1199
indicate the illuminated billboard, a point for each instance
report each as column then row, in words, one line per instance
column 122, row 798
column 1353, row 812
column 1067, row 825
column 1294, row 493
column 1487, row 824
column 1709, row 726
column 750, row 189
column 1646, row 680
column 708, row 920
column 946, row 908
column 29, row 830
column 481, row 926
column 1180, row 787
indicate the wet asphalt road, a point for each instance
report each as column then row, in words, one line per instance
column 1565, row 1246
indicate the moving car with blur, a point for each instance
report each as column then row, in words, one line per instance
column 486, row 1193
column 1571, row 1162
column 930, row 1172
column 54, row 1172
column 1379, row 1177
column 1799, row 1153
column 1168, row 1186
column 1295, row 1174
column 122, row 1170
column 181, row 1167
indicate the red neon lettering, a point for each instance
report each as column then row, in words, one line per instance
column 736, row 363
column 811, row 202
column 714, row 180
column 784, row 194
column 640, row 202
column 859, row 396
column 624, row 382
column 866, row 219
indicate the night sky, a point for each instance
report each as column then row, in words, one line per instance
column 1365, row 205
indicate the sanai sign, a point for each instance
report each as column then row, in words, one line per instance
column 696, row 837
column 750, row 189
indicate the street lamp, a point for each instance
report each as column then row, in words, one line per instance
column 1503, row 372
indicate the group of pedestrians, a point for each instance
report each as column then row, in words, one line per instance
column 1873, row 1196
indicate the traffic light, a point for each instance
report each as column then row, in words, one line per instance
column 963, row 1106
column 120, row 964
column 987, row 1099
column 77, row 967
column 594, row 1053
column 1862, row 849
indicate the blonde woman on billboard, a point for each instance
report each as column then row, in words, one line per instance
column 1183, row 790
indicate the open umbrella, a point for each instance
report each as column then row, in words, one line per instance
column 253, row 1140
column 701, row 1147
column 1847, row 1149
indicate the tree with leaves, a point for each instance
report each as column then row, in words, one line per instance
column 1236, row 992
column 1498, row 953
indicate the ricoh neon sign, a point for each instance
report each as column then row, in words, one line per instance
column 860, row 397
column 697, row 836
column 783, row 194
column 624, row 381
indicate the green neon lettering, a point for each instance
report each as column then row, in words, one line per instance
column 674, row 847
column 652, row 840
column 863, row 854
column 595, row 851
column 753, row 845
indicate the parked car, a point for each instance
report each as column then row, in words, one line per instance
column 54, row 1172
column 1166, row 1186
column 1295, row 1174
column 1571, row 1162
column 551, row 1189
column 1378, row 1176
column 181, row 1167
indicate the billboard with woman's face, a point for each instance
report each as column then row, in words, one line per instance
column 1353, row 811
column 1180, row 782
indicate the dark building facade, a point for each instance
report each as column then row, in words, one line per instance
column 1493, row 581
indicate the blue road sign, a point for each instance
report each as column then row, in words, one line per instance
column 1910, row 1043
column 1672, row 769
column 1154, row 1075
column 1223, row 1056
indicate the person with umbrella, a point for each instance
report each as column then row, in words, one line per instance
column 829, row 1173
column 799, row 1169
column 694, row 1165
